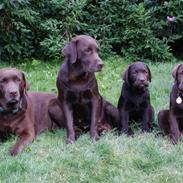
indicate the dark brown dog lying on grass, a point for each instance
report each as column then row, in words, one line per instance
column 81, row 104
column 134, row 102
column 22, row 113
column 171, row 120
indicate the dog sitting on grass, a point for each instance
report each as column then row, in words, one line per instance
column 171, row 120
column 80, row 103
column 134, row 102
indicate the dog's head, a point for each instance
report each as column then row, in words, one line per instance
column 137, row 75
column 13, row 86
column 177, row 74
column 83, row 51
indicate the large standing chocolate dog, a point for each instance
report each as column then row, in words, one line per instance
column 80, row 101
column 171, row 120
column 22, row 113
column 134, row 102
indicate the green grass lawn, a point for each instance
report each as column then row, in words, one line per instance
column 143, row 158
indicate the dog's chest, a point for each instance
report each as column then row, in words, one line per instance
column 178, row 110
column 9, row 125
column 80, row 97
column 136, row 103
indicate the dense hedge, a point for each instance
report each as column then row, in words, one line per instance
column 130, row 28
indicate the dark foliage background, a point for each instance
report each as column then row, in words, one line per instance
column 134, row 29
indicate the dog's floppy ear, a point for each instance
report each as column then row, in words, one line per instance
column 174, row 71
column 149, row 73
column 126, row 76
column 70, row 52
column 26, row 84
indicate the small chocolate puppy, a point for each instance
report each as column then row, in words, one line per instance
column 134, row 102
column 171, row 120
column 80, row 102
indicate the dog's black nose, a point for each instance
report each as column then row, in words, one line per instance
column 99, row 66
column 142, row 80
column 13, row 93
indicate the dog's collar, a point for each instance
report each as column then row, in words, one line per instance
column 179, row 97
column 14, row 111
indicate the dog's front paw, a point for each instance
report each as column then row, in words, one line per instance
column 146, row 130
column 130, row 133
column 175, row 141
column 123, row 131
column 95, row 137
column 69, row 141
column 175, row 137
column 15, row 151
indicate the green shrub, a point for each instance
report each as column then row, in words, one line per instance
column 18, row 30
column 131, row 28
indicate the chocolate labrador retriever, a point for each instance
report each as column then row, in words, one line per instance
column 81, row 104
column 134, row 102
column 171, row 120
column 22, row 113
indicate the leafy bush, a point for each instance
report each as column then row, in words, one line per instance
column 134, row 29
column 18, row 30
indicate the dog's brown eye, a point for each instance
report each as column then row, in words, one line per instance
column 17, row 80
column 134, row 72
column 3, row 81
column 88, row 50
